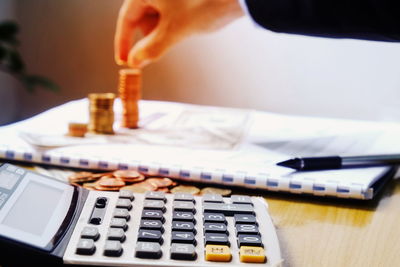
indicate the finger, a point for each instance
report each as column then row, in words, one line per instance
column 127, row 23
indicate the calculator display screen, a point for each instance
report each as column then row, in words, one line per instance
column 34, row 209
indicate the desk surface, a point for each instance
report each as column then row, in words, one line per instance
column 326, row 232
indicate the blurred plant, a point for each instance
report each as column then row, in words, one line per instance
column 12, row 63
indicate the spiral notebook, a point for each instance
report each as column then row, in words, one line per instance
column 225, row 146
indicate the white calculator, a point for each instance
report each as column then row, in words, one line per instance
column 44, row 221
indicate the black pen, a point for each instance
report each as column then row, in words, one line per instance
column 336, row 162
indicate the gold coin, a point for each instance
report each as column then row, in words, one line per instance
column 127, row 174
column 140, row 187
column 80, row 177
column 107, row 181
column 160, row 181
column 185, row 189
column 215, row 190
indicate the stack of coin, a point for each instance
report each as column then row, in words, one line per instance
column 101, row 108
column 130, row 83
column 76, row 129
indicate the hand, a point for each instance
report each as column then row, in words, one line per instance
column 164, row 23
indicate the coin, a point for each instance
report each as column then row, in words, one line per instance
column 215, row 190
column 185, row 189
column 127, row 174
column 77, row 129
column 130, row 83
column 160, row 181
column 80, row 177
column 106, row 188
column 141, row 187
column 107, row 181
column 101, row 111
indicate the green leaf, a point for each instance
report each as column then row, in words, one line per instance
column 8, row 31
column 13, row 62
column 33, row 81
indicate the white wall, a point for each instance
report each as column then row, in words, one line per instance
column 241, row 66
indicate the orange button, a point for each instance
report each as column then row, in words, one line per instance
column 252, row 254
column 218, row 253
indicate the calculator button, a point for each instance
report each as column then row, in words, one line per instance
column 252, row 254
column 95, row 220
column 90, row 233
column 183, row 216
column 116, row 234
column 118, row 223
column 239, row 199
column 152, row 225
column 183, row 237
column 85, row 247
column 153, row 215
column 150, row 236
column 154, row 205
column 183, row 252
column 214, row 198
column 122, row 213
column 228, row 209
column 183, row 226
column 249, row 240
column 112, row 248
column 101, row 202
column 126, row 194
column 247, row 229
column 183, row 206
column 124, row 203
column 155, row 195
column 148, row 250
column 245, row 218
column 214, row 217
column 184, row 197
column 218, row 253
column 216, row 239
column 215, row 228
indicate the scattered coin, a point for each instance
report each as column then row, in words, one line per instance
column 140, row 187
column 215, row 190
column 80, row 177
column 127, row 174
column 185, row 189
column 107, row 181
column 160, row 181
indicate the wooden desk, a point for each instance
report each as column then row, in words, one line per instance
column 328, row 232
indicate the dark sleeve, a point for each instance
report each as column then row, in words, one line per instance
column 361, row 19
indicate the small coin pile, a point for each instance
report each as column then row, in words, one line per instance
column 138, row 183
column 121, row 179
column 76, row 129
column 101, row 111
column 130, row 83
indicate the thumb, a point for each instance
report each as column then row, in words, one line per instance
column 150, row 48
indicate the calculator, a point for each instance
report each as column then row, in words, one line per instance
column 51, row 222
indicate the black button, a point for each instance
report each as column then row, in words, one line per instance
column 101, row 202
column 247, row 229
column 153, row 215
column 112, row 248
column 183, row 226
column 215, row 228
column 183, row 252
column 148, row 250
column 95, row 220
column 152, row 225
column 85, row 247
column 245, row 219
column 249, row 240
column 183, row 216
column 216, row 239
column 183, row 237
column 150, row 236
column 214, row 217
